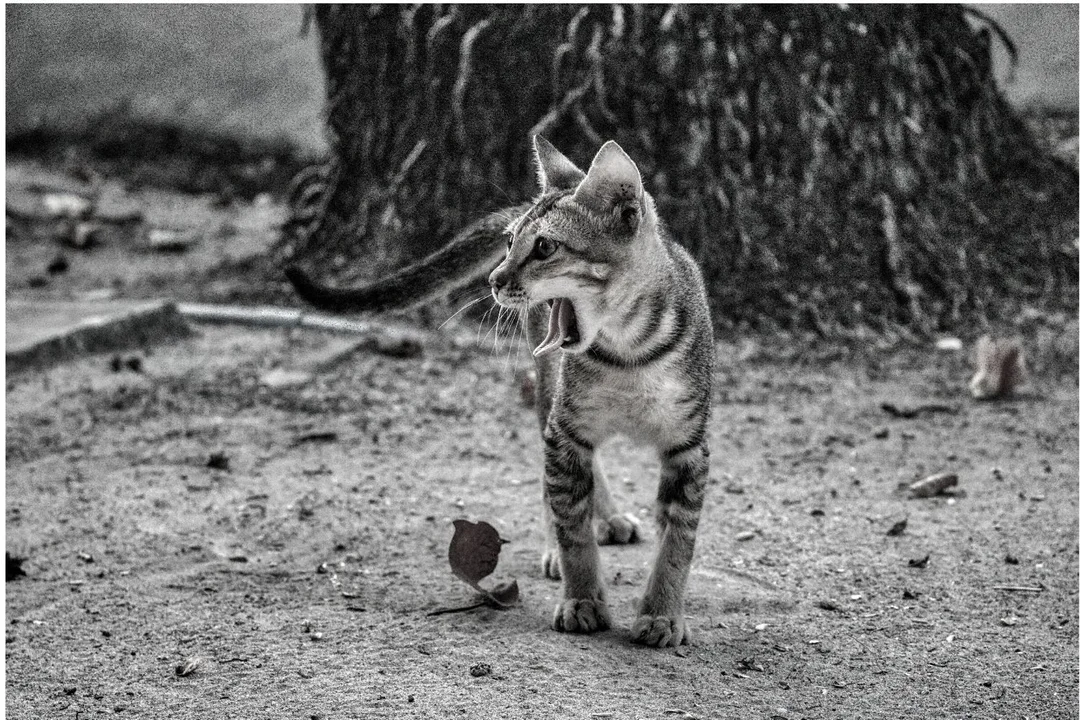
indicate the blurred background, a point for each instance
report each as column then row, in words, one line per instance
column 247, row 69
column 924, row 156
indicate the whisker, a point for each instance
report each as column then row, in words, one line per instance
column 463, row 308
column 515, row 315
column 460, row 293
column 489, row 181
column 504, row 323
column 480, row 327
column 495, row 328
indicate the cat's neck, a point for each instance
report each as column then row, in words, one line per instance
column 639, row 297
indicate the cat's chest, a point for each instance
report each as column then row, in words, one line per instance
column 648, row 404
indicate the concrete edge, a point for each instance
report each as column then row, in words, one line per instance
column 149, row 325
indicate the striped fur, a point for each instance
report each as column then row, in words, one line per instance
column 642, row 369
column 468, row 256
column 639, row 364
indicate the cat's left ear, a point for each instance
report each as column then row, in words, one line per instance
column 613, row 186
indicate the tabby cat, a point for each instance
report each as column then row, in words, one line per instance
column 626, row 348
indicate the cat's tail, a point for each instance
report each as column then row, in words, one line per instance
column 470, row 255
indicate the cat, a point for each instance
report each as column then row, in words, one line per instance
column 626, row 348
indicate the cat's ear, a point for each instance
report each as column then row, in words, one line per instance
column 613, row 185
column 554, row 169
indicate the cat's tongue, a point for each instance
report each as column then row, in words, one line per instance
column 559, row 322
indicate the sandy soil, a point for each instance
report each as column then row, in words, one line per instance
column 302, row 574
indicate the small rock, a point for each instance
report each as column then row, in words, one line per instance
column 1012, row 560
column 171, row 241
column 881, row 433
column 898, row 528
column 66, row 205
column 480, row 670
column 58, row 265
column 218, row 461
column 280, row 378
column 933, row 485
column 949, row 344
column 919, row 563
column 1010, row 621
column 190, row 665
column 744, row 536
column 749, row 663
column 828, row 605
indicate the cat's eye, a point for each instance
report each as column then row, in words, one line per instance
column 544, row 247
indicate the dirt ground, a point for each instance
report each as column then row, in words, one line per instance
column 300, row 569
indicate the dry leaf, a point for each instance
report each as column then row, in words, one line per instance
column 506, row 593
column 1000, row 368
column 474, row 551
column 14, row 566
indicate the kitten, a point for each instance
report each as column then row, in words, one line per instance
column 626, row 348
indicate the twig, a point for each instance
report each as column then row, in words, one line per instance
column 446, row 611
column 908, row 413
column 1018, row 588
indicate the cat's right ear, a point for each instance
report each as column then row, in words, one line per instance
column 554, row 169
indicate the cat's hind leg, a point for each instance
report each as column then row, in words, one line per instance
column 612, row 527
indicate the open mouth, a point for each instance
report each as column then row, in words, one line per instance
column 562, row 329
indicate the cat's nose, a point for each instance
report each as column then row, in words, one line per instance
column 497, row 279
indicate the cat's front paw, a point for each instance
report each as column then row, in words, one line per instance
column 549, row 563
column 619, row 529
column 660, row 631
column 581, row 616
